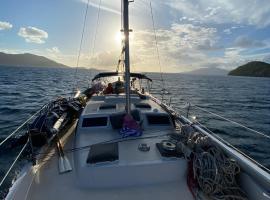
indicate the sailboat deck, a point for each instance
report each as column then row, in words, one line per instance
column 49, row 184
column 135, row 174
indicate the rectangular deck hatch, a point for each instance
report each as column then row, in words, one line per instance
column 99, row 153
column 158, row 120
column 94, row 121
column 142, row 105
column 107, row 106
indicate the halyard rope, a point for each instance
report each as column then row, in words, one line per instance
column 157, row 50
column 75, row 81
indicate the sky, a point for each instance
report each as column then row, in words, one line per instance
column 191, row 34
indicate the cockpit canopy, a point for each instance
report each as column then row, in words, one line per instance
column 110, row 74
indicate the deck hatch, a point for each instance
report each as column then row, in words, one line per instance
column 107, row 152
column 95, row 121
column 107, row 106
column 158, row 119
column 142, row 105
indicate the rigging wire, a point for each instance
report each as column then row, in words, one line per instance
column 75, row 83
column 231, row 121
column 188, row 104
column 95, row 34
column 14, row 162
column 23, row 124
column 157, row 49
column 120, row 63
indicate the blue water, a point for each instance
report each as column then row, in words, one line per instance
column 246, row 100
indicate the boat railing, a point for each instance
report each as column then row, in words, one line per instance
column 187, row 112
column 189, row 105
column 21, row 130
column 190, row 113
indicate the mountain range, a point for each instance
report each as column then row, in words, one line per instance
column 27, row 59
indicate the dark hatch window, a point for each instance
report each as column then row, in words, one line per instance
column 158, row 120
column 95, row 121
column 143, row 105
column 107, row 106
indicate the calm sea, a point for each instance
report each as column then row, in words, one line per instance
column 246, row 100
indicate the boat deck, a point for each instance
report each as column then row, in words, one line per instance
column 47, row 183
column 135, row 174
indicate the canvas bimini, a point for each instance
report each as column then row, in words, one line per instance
column 117, row 141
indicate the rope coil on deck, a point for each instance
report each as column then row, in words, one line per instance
column 213, row 171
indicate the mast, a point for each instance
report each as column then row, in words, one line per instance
column 126, row 47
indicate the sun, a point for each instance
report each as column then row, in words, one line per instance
column 119, row 36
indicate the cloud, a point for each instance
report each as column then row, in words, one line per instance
column 53, row 50
column 181, row 47
column 266, row 58
column 249, row 12
column 227, row 31
column 247, row 42
column 33, row 34
column 109, row 6
column 5, row 25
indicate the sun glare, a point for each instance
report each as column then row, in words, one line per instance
column 119, row 37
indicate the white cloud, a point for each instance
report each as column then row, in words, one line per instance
column 249, row 12
column 53, row 50
column 108, row 5
column 181, row 47
column 33, row 34
column 247, row 42
column 227, row 31
column 5, row 25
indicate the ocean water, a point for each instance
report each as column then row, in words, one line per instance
column 23, row 90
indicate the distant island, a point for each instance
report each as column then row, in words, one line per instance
column 27, row 59
column 210, row 71
column 254, row 68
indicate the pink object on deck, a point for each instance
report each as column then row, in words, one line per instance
column 129, row 122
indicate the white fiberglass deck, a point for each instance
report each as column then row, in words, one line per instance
column 135, row 175
column 47, row 184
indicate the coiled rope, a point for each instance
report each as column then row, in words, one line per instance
column 213, row 171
